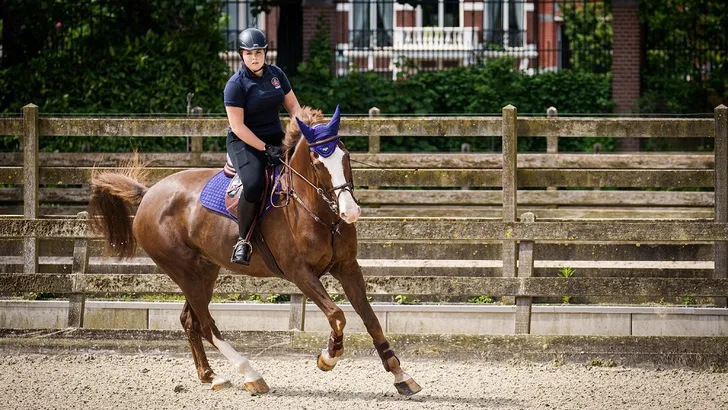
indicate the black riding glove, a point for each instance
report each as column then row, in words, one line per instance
column 274, row 153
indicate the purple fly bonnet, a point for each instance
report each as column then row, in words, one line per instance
column 322, row 138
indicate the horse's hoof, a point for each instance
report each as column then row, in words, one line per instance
column 323, row 365
column 220, row 383
column 257, row 386
column 408, row 387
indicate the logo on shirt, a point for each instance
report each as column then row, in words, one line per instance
column 275, row 82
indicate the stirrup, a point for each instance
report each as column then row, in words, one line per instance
column 241, row 252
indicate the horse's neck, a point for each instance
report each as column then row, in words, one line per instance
column 300, row 162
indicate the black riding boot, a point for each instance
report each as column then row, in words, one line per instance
column 247, row 211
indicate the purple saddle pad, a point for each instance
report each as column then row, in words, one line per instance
column 212, row 196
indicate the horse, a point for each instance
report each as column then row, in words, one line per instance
column 309, row 236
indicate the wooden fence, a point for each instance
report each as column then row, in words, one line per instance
column 492, row 217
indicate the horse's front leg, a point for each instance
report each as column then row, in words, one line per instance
column 352, row 280
column 311, row 286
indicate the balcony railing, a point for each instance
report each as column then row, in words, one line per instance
column 435, row 38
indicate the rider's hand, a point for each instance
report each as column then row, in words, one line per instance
column 274, row 153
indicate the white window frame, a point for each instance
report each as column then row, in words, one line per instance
column 505, row 21
column 242, row 14
column 348, row 7
column 441, row 13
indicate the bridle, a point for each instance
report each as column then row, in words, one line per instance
column 329, row 195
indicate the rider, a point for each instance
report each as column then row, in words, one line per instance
column 253, row 97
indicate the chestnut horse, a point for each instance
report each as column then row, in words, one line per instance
column 191, row 243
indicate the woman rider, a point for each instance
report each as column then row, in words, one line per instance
column 253, row 97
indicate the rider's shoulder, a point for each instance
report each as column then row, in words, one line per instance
column 275, row 70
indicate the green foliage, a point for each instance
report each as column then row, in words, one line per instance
column 317, row 69
column 687, row 61
column 478, row 89
column 588, row 26
column 277, row 298
column 123, row 66
column 405, row 300
column 481, row 300
column 687, row 300
column 566, row 273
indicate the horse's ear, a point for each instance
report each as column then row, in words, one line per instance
column 333, row 125
column 305, row 130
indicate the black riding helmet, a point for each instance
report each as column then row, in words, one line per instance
column 252, row 39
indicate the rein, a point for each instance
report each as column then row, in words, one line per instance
column 333, row 227
column 333, row 204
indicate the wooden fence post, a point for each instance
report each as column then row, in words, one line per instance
column 30, row 183
column 720, row 249
column 77, row 300
column 297, row 313
column 510, row 190
column 525, row 270
column 196, row 144
column 552, row 141
column 375, row 144
column 374, row 141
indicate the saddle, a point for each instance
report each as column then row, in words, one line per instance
column 276, row 187
column 222, row 193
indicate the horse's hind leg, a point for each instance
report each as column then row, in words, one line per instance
column 203, row 282
column 253, row 382
column 197, row 283
column 352, row 280
column 191, row 325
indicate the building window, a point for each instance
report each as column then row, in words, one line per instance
column 440, row 13
column 239, row 18
column 373, row 22
column 504, row 22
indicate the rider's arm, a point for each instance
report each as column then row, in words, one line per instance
column 235, row 97
column 235, row 117
column 291, row 103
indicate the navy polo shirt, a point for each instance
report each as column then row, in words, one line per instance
column 260, row 97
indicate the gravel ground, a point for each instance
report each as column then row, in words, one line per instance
column 117, row 381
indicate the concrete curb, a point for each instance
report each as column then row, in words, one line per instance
column 488, row 319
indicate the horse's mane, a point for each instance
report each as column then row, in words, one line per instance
column 308, row 116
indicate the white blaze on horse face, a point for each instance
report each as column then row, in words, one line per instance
column 349, row 211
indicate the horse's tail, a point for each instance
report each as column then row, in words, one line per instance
column 113, row 194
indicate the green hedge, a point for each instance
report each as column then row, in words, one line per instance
column 151, row 72
column 123, row 67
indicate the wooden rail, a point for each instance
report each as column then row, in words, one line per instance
column 516, row 236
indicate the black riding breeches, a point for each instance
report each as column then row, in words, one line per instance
column 250, row 164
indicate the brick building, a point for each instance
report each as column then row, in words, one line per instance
column 393, row 37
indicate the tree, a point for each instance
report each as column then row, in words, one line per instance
column 23, row 30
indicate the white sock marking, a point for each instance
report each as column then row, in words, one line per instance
column 328, row 360
column 241, row 363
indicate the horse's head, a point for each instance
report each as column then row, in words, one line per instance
column 330, row 161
